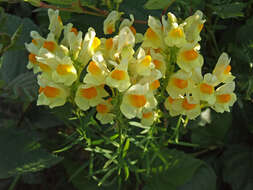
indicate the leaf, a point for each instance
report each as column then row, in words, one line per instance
column 243, row 35
column 238, row 167
column 231, row 10
column 70, row 2
column 180, row 169
column 203, row 179
column 5, row 40
column 23, row 87
column 21, row 153
column 213, row 133
column 157, row 4
column 15, row 60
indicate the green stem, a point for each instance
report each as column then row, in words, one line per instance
column 15, row 181
column 183, row 144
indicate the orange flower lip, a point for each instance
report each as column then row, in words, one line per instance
column 180, row 83
column 89, row 93
column 223, row 98
column 50, row 92
column 206, row 89
column 137, row 101
column 102, row 108
column 94, row 69
column 147, row 115
column 118, row 75
column 49, row 45
column 187, row 106
column 190, row 55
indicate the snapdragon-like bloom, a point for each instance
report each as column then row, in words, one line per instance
column 72, row 39
column 188, row 58
column 110, row 21
column 104, row 109
column 179, row 84
column 119, row 77
column 223, row 68
column 133, row 76
column 55, row 25
column 205, row 89
column 89, row 96
column 96, row 71
column 89, row 46
column 51, row 94
column 224, row 97
column 136, row 98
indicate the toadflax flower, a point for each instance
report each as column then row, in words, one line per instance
column 135, row 99
column 51, row 94
column 88, row 96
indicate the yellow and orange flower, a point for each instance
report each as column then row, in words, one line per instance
column 119, row 77
column 104, row 114
column 89, row 96
column 136, row 99
column 224, row 97
column 223, row 68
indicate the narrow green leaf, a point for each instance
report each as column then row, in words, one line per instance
column 158, row 4
column 126, row 147
column 231, row 10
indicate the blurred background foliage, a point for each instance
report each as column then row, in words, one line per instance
column 40, row 148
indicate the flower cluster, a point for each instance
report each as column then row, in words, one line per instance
column 118, row 77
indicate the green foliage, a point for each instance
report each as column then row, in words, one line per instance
column 230, row 10
column 213, row 129
column 158, row 4
column 179, row 169
column 14, row 61
column 23, row 87
column 21, row 153
column 203, row 179
column 238, row 167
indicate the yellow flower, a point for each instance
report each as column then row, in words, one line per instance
column 50, row 46
column 222, row 69
column 205, row 90
column 175, row 36
column 144, row 64
column 188, row 106
column 188, row 58
column 129, row 23
column 136, row 98
column 103, row 112
column 65, row 72
column 158, row 61
column 72, row 39
column 89, row 96
column 147, row 117
column 152, row 80
column 51, row 94
column 224, row 97
column 179, row 84
column 193, row 27
column 119, row 77
column 125, row 38
column 109, row 23
column 153, row 37
column 96, row 70
column 34, row 48
column 173, row 105
column 89, row 46
column 55, row 25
